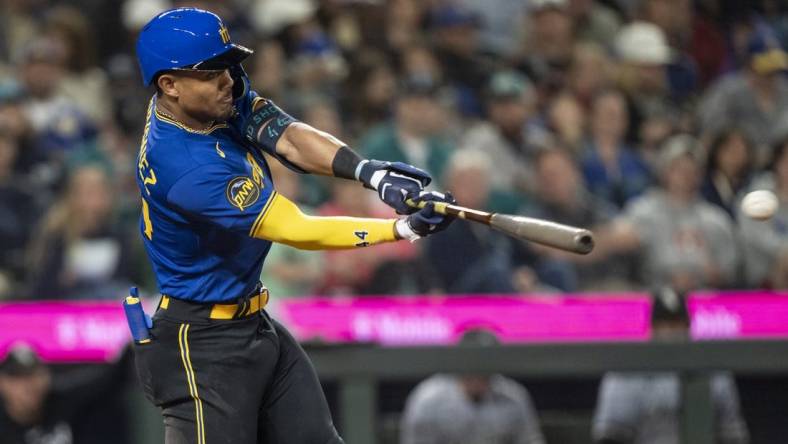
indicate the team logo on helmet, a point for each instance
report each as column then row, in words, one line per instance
column 242, row 192
column 225, row 34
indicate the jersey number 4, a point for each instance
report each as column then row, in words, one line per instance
column 362, row 235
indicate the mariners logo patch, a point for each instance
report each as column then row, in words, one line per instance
column 242, row 192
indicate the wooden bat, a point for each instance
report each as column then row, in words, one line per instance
column 545, row 232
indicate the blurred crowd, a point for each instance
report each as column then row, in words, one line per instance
column 644, row 120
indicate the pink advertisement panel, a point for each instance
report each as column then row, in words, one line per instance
column 97, row 331
column 423, row 320
column 739, row 315
column 65, row 331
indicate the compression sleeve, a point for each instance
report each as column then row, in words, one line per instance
column 284, row 222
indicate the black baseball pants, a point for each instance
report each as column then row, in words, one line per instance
column 238, row 381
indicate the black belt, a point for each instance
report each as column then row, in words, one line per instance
column 246, row 306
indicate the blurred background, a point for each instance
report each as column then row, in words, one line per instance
column 644, row 120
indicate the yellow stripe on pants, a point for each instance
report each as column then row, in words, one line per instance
column 183, row 345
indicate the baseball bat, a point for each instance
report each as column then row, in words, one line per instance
column 545, row 232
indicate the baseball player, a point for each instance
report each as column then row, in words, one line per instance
column 220, row 369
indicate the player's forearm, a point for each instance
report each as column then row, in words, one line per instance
column 283, row 222
column 309, row 148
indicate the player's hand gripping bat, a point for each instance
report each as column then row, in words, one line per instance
column 552, row 234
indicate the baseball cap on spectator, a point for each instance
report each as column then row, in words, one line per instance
column 508, row 85
column 272, row 16
column 643, row 43
column 449, row 16
column 21, row 360
column 766, row 56
column 136, row 13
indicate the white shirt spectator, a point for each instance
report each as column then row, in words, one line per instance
column 682, row 239
column 644, row 408
column 438, row 411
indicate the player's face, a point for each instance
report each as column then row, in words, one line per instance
column 206, row 95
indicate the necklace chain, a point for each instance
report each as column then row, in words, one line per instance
column 162, row 111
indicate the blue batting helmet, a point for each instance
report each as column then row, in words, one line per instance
column 186, row 38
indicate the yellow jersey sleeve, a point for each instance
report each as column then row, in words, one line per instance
column 282, row 221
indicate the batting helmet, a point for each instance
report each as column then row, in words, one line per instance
column 186, row 38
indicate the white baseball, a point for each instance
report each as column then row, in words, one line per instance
column 760, row 204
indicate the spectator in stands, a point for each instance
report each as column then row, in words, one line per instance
column 39, row 406
column 754, row 98
column 500, row 25
column 56, row 122
column 13, row 122
column 729, row 165
column 456, row 42
column 467, row 257
column 590, row 72
column 613, row 170
column 674, row 17
column 567, row 119
column 513, row 133
column 84, row 83
column 268, row 71
column 317, row 67
column 644, row 55
column 549, row 43
column 684, row 242
column 470, row 409
column 403, row 22
column 595, row 22
column 25, row 384
column 419, row 62
column 78, row 253
column 412, row 137
column 775, row 14
column 19, row 209
column 371, row 88
column 698, row 43
column 654, row 128
column 563, row 198
column 641, row 408
column 18, row 25
column 129, row 98
column 766, row 242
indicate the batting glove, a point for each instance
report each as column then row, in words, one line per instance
column 395, row 182
column 425, row 221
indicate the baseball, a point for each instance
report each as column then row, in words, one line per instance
column 759, row 204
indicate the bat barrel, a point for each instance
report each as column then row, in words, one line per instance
column 584, row 240
column 552, row 234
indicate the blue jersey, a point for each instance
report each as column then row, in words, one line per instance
column 203, row 194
